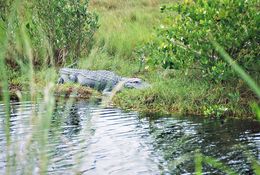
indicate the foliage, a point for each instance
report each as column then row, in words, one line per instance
column 55, row 28
column 172, row 92
column 214, row 110
column 182, row 41
column 124, row 26
column 250, row 82
column 4, row 8
column 68, row 24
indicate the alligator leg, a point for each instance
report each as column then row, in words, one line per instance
column 60, row 80
column 73, row 78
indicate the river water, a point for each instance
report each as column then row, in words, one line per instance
column 86, row 138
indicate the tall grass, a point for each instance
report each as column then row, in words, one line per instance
column 18, row 41
column 5, row 30
column 122, row 29
column 15, row 29
column 124, row 26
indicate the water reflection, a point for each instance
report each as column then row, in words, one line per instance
column 86, row 138
column 73, row 120
column 176, row 137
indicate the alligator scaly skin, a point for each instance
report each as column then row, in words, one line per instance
column 100, row 79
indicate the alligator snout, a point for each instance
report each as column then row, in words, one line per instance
column 136, row 83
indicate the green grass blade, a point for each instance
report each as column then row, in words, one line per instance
column 256, row 167
column 219, row 165
column 198, row 163
column 5, row 34
column 251, row 83
column 6, row 97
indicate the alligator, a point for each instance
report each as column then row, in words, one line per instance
column 101, row 80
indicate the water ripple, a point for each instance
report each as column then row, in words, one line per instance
column 89, row 139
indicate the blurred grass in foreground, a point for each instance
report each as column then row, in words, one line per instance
column 113, row 46
column 14, row 32
column 250, row 82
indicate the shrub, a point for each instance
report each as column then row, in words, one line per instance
column 68, row 24
column 182, row 41
column 61, row 28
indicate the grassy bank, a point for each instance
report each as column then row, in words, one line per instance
column 124, row 27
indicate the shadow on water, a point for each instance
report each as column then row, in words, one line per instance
column 86, row 138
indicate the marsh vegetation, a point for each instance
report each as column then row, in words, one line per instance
column 201, row 57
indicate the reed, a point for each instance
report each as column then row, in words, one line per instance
column 16, row 30
column 240, row 72
column 114, row 49
column 4, row 83
column 198, row 163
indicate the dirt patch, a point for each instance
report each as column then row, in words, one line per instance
column 66, row 90
column 72, row 90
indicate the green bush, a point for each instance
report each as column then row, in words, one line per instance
column 63, row 29
column 68, row 24
column 182, row 41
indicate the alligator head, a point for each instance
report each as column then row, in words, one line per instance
column 135, row 83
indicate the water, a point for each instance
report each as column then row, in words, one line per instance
column 89, row 139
